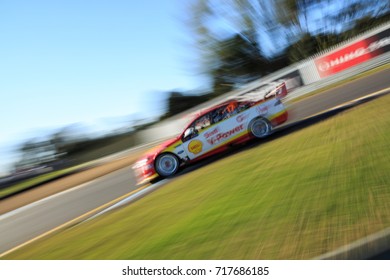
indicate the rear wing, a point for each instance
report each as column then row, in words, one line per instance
column 276, row 89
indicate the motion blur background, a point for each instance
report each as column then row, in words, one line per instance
column 80, row 78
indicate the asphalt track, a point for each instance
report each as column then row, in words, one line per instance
column 29, row 222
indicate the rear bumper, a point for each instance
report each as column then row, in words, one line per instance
column 280, row 118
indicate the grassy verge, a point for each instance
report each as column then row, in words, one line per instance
column 296, row 197
column 98, row 149
column 27, row 184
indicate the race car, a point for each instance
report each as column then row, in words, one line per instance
column 213, row 131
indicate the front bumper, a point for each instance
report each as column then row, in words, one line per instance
column 144, row 171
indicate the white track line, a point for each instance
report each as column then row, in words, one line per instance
column 43, row 200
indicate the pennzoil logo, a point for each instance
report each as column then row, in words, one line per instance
column 195, row 146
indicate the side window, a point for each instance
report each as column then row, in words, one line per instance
column 203, row 122
column 225, row 112
column 217, row 115
column 231, row 109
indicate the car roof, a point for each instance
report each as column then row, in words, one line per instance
column 210, row 109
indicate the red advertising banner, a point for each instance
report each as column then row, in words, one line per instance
column 353, row 54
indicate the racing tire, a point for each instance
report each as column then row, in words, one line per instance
column 166, row 164
column 260, row 127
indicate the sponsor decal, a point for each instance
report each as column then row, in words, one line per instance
column 353, row 54
column 224, row 135
column 211, row 133
column 180, row 152
column 343, row 59
column 242, row 117
column 195, row 146
column 262, row 110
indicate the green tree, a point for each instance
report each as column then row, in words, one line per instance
column 178, row 102
column 35, row 153
column 327, row 22
column 229, row 38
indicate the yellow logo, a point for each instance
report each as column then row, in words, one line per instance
column 195, row 146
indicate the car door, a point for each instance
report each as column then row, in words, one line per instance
column 193, row 138
column 211, row 131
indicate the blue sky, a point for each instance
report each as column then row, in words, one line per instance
column 70, row 61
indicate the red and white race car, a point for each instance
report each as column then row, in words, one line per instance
column 213, row 131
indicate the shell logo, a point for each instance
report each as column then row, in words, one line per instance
column 195, row 146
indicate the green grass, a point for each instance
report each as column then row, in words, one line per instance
column 102, row 147
column 296, row 197
column 29, row 183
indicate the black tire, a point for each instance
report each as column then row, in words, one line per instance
column 260, row 127
column 166, row 164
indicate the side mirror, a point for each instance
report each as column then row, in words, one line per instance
column 189, row 133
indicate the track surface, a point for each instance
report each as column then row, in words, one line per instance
column 26, row 223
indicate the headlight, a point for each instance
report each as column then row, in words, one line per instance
column 140, row 163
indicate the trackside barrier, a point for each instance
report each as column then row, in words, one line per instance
column 371, row 64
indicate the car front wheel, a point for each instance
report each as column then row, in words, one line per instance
column 260, row 127
column 166, row 165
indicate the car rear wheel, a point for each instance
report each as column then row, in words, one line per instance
column 260, row 127
column 166, row 165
